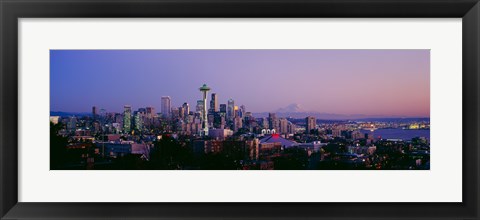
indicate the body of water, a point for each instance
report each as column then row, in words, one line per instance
column 398, row 133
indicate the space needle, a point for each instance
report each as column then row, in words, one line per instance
column 204, row 89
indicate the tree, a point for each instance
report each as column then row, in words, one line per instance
column 168, row 154
column 57, row 147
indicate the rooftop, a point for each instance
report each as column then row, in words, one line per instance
column 275, row 138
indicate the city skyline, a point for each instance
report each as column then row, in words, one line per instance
column 240, row 110
column 369, row 82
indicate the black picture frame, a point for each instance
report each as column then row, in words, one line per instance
column 11, row 10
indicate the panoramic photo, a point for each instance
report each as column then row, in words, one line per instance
column 240, row 109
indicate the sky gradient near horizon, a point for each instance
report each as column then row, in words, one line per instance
column 386, row 83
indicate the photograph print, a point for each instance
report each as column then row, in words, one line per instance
column 244, row 110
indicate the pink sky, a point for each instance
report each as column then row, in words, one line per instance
column 371, row 82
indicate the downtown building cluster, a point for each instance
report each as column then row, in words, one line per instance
column 207, row 118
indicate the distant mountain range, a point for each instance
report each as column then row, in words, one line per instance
column 296, row 111
column 326, row 116
column 67, row 114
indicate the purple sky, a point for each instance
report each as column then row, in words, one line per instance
column 371, row 82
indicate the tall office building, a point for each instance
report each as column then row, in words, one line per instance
column 236, row 111
column 311, row 123
column 138, row 121
column 272, row 121
column 291, row 128
column 127, row 118
column 204, row 89
column 265, row 123
column 243, row 110
column 237, row 123
column 166, row 106
column 222, row 115
column 94, row 112
column 230, row 110
column 181, row 112
column 283, row 128
column 150, row 112
column 223, row 108
column 186, row 109
column 214, row 103
column 199, row 107
column 175, row 113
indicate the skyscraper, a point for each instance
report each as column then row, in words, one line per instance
column 265, row 123
column 150, row 112
column 94, row 112
column 272, row 121
column 166, row 106
column 181, row 112
column 311, row 123
column 138, row 121
column 175, row 113
column 186, row 109
column 236, row 111
column 222, row 115
column 223, row 108
column 291, row 128
column 214, row 103
column 199, row 107
column 127, row 118
column 237, row 123
column 283, row 128
column 243, row 110
column 204, row 89
column 230, row 110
